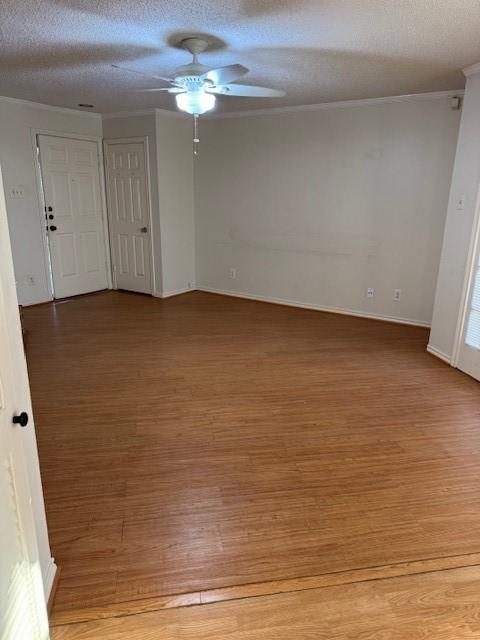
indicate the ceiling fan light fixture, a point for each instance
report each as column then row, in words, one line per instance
column 195, row 102
column 195, row 85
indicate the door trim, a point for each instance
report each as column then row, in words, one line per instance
column 107, row 142
column 467, row 283
column 41, row 200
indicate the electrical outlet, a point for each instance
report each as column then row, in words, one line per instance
column 461, row 203
column 190, row 285
column 232, row 273
column 397, row 294
column 31, row 281
column 370, row 292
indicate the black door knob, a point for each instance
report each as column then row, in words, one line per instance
column 50, row 216
column 22, row 419
column 49, row 209
column 52, row 227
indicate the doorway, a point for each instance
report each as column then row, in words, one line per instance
column 128, row 199
column 71, row 181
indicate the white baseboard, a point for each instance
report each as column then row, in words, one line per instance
column 176, row 292
column 49, row 578
column 439, row 354
column 32, row 303
column 315, row 307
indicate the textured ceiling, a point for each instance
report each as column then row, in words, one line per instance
column 59, row 51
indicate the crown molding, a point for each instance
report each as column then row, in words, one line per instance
column 471, row 70
column 128, row 114
column 173, row 114
column 49, row 107
column 143, row 112
column 344, row 104
column 93, row 114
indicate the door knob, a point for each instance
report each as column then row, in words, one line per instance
column 22, row 419
column 144, row 229
column 52, row 227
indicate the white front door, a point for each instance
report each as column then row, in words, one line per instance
column 71, row 185
column 22, row 602
column 469, row 353
column 129, row 215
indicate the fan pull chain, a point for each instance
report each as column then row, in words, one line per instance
column 196, row 139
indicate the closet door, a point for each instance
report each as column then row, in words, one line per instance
column 22, row 601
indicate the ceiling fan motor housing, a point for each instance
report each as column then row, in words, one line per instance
column 190, row 73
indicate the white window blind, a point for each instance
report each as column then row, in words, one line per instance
column 472, row 337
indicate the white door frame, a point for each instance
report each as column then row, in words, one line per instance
column 135, row 140
column 467, row 283
column 41, row 200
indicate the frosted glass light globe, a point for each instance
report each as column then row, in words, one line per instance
column 195, row 102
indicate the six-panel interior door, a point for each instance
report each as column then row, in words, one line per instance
column 469, row 353
column 71, row 185
column 129, row 216
column 22, row 602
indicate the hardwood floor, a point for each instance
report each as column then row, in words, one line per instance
column 433, row 606
column 204, row 442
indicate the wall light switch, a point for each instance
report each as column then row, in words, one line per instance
column 461, row 203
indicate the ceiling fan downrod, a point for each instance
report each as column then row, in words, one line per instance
column 196, row 139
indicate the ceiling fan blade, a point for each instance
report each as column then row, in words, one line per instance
column 167, row 89
column 245, row 90
column 224, row 75
column 141, row 73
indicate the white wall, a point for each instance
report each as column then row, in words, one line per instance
column 175, row 184
column 133, row 127
column 459, row 226
column 314, row 207
column 17, row 121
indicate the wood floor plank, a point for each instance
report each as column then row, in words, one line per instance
column 441, row 606
column 238, row 592
column 202, row 442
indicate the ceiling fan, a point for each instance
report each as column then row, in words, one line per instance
column 195, row 85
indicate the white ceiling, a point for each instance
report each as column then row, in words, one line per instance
column 59, row 51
